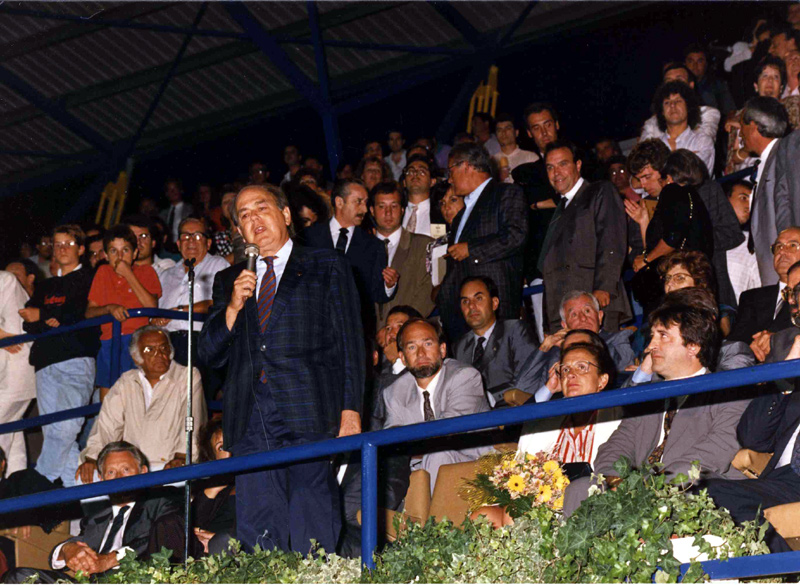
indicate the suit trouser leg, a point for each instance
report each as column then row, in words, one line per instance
column 743, row 498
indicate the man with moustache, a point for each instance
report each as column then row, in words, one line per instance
column 290, row 334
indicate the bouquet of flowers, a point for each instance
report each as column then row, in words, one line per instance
column 517, row 482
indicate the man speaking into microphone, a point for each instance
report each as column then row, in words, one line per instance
column 290, row 333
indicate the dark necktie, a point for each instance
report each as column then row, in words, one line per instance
column 427, row 409
column 266, row 296
column 750, row 244
column 116, row 526
column 341, row 242
column 479, row 351
column 386, row 245
column 170, row 221
column 550, row 232
column 658, row 452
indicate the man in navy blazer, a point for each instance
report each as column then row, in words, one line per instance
column 367, row 255
column 291, row 337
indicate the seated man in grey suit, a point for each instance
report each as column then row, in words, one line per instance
column 677, row 431
column 578, row 310
column 497, row 349
column 432, row 388
column 131, row 525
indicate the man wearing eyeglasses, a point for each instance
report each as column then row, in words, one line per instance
column 764, row 311
column 147, row 407
column 64, row 364
column 145, row 231
column 193, row 243
column 417, row 178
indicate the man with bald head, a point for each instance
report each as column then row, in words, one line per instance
column 290, row 334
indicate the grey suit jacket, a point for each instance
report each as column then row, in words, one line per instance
column 771, row 210
column 787, row 180
column 588, row 249
column 459, row 392
column 510, row 346
column 704, row 429
column 415, row 286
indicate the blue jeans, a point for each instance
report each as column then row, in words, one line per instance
column 104, row 378
column 61, row 386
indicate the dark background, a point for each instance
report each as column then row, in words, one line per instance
column 600, row 81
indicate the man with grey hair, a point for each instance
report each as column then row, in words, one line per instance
column 147, row 406
column 487, row 238
column 764, row 122
column 579, row 310
column 133, row 524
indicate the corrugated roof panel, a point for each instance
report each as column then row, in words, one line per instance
column 276, row 14
column 44, row 134
column 10, row 100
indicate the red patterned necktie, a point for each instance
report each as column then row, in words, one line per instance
column 266, row 296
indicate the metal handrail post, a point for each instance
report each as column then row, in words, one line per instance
column 116, row 350
column 369, row 504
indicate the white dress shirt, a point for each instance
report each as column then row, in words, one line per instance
column 397, row 167
column 431, row 389
column 469, row 202
column 278, row 265
column 147, row 388
column 175, row 287
column 696, row 141
column 786, row 456
column 709, row 123
column 570, row 195
column 161, row 265
column 394, row 241
column 423, row 217
column 742, row 269
column 486, row 335
column 398, row 366
column 781, row 286
column 335, row 226
column 58, row 564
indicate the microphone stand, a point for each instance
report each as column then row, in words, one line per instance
column 189, row 263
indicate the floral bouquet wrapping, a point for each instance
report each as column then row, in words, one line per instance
column 517, row 482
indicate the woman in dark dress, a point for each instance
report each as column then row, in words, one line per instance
column 214, row 506
column 680, row 223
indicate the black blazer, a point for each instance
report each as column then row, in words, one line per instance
column 768, row 423
column 367, row 257
column 137, row 530
column 312, row 349
column 495, row 231
column 756, row 313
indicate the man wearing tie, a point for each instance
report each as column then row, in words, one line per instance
column 367, row 256
column 177, row 211
column 487, row 238
column 290, row 334
column 764, row 122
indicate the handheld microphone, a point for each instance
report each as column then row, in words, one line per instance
column 251, row 253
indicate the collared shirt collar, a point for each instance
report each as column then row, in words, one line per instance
column 486, row 334
column 335, row 226
column 78, row 267
column 569, row 195
column 394, row 238
column 763, row 158
column 431, row 389
column 398, row 366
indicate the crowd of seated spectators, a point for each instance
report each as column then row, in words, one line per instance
column 654, row 265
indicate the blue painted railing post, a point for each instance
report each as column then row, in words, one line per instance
column 369, row 504
column 116, row 349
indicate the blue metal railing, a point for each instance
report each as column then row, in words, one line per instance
column 368, row 444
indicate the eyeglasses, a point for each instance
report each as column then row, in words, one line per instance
column 64, row 245
column 579, row 368
column 679, row 278
column 143, row 236
column 779, row 247
column 417, row 172
column 46, row 244
column 451, row 167
column 197, row 236
column 153, row 350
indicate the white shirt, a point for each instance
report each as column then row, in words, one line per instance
column 175, row 287
column 469, row 202
column 147, row 388
column 781, row 286
column 115, row 546
column 786, row 456
column 742, row 269
column 492, row 146
column 397, row 168
column 486, row 335
column 431, row 389
column 790, row 92
column 398, row 366
column 394, row 241
column 515, row 158
column 696, row 141
column 570, row 195
column 709, row 123
column 763, row 163
column 423, row 217
column 161, row 265
column 335, row 226
column 78, row 267
column 278, row 265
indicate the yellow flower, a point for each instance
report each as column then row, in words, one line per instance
column 529, row 457
column 516, row 483
column 561, row 482
column 545, row 493
column 559, row 503
column 550, row 466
